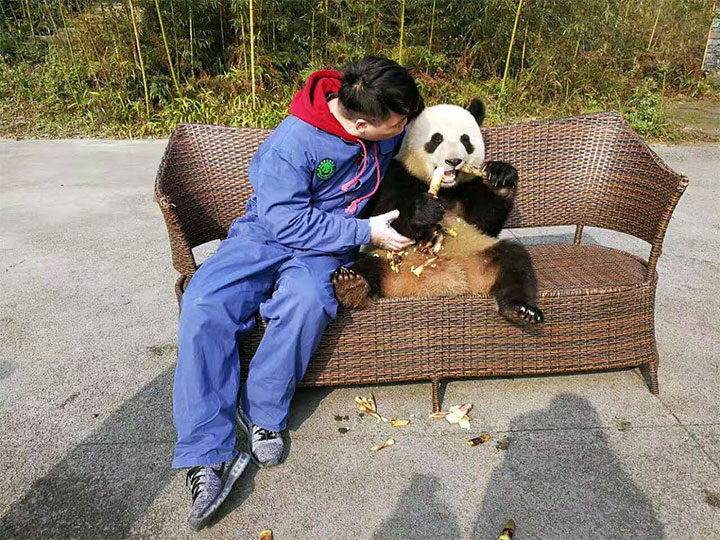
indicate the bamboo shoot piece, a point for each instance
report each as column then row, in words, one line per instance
column 474, row 170
column 437, row 179
column 387, row 443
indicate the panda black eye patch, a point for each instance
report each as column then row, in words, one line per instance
column 465, row 140
column 433, row 143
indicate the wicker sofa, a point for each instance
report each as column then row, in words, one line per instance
column 591, row 170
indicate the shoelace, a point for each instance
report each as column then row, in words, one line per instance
column 196, row 478
column 265, row 434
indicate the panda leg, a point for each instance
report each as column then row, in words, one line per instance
column 355, row 287
column 515, row 289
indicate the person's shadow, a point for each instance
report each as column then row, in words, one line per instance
column 108, row 482
column 420, row 514
column 564, row 484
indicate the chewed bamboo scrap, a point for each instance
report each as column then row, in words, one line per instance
column 367, row 405
column 483, row 438
column 399, row 422
column 508, row 531
column 458, row 415
column 379, row 447
column 267, row 534
column 394, row 258
column 419, row 269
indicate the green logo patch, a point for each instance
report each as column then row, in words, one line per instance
column 325, row 169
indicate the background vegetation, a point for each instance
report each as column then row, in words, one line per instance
column 135, row 68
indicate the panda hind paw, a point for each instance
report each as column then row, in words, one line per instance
column 351, row 289
column 522, row 313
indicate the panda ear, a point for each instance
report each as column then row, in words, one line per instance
column 477, row 109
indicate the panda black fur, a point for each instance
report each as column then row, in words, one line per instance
column 473, row 262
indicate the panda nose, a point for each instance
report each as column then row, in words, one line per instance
column 454, row 162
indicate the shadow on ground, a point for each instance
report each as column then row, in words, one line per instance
column 108, row 481
column 564, row 484
column 552, row 483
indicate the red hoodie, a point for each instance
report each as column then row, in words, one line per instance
column 310, row 105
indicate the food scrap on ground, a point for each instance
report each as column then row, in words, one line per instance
column 399, row 422
column 266, row 535
column 483, row 438
column 368, row 406
column 504, row 444
column 458, row 415
column 508, row 531
column 387, row 443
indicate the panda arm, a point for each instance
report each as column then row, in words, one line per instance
column 419, row 212
column 480, row 205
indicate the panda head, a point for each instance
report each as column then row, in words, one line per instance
column 444, row 136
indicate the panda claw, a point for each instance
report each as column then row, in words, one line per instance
column 522, row 313
column 351, row 288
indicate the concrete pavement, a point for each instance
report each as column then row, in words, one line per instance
column 88, row 324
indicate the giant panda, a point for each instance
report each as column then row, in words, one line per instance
column 474, row 208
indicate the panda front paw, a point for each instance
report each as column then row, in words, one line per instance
column 426, row 214
column 501, row 175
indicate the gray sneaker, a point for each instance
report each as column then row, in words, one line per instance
column 210, row 485
column 266, row 447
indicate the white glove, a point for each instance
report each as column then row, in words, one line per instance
column 384, row 236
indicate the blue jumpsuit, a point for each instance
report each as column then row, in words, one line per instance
column 278, row 258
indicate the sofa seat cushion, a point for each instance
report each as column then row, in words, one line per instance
column 584, row 269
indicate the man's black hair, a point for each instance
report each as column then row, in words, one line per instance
column 374, row 86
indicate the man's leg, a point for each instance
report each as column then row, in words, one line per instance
column 218, row 309
column 297, row 314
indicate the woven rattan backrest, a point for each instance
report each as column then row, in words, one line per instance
column 589, row 170
column 592, row 170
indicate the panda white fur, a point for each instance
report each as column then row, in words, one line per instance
column 474, row 261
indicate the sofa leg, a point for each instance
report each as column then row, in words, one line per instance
column 436, row 394
column 652, row 372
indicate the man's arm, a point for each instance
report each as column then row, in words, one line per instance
column 283, row 200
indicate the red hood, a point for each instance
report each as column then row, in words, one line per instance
column 309, row 103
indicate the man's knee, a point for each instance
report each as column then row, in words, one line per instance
column 311, row 296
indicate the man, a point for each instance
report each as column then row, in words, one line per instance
column 312, row 178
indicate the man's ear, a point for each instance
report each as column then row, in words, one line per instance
column 477, row 109
column 361, row 125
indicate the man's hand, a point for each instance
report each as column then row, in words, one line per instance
column 384, row 236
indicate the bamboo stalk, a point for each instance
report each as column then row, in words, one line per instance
column 512, row 40
column 432, row 25
column 402, row 30
column 707, row 42
column 312, row 37
column 69, row 41
column 222, row 34
column 142, row 65
column 167, row 49
column 522, row 58
column 652, row 35
column 29, row 16
column 252, row 51
column 244, row 47
column 192, row 59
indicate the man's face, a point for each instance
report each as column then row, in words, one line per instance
column 388, row 129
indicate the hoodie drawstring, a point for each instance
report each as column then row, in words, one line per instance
column 351, row 183
column 354, row 205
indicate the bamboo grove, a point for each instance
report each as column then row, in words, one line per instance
column 137, row 67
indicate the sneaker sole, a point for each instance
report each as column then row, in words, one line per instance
column 235, row 471
column 246, row 429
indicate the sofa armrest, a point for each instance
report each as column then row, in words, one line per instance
column 202, row 185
